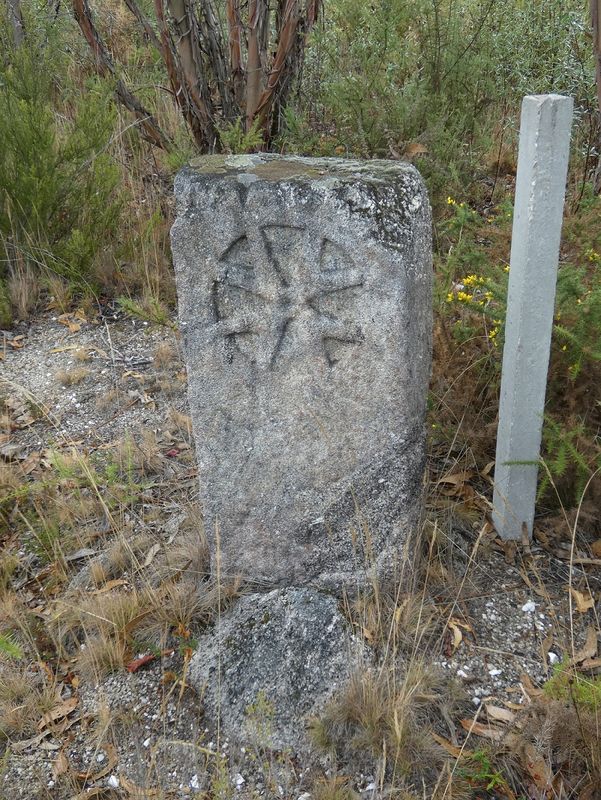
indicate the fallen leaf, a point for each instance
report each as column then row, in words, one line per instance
column 584, row 602
column 456, row 627
column 487, row 731
column 135, row 665
column 109, row 585
column 588, row 649
column 596, row 548
column 530, row 689
column 538, row 769
column 63, row 709
column 25, row 744
column 17, row 342
column 500, row 714
column 61, row 765
column 69, row 321
column 546, row 645
column 456, row 478
column 590, row 663
column 151, row 554
column 452, row 749
column 414, row 149
column 135, row 792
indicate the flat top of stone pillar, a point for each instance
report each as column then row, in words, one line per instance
column 272, row 167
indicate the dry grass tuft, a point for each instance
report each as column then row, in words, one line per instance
column 384, row 719
column 165, row 356
column 24, row 698
column 72, row 377
column 100, row 657
column 81, row 354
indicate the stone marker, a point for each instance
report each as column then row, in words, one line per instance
column 304, row 292
column 540, row 189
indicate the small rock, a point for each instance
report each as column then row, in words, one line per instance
column 529, row 607
column 113, row 782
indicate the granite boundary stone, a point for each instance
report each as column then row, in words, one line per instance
column 304, row 291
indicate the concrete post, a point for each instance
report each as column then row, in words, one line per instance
column 539, row 199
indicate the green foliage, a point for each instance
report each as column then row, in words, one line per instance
column 567, row 684
column 563, row 457
column 234, row 138
column 10, row 648
column 478, row 768
column 442, row 73
column 58, row 184
column 148, row 309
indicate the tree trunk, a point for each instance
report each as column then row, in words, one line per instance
column 186, row 45
column 234, row 24
column 253, row 63
column 15, row 17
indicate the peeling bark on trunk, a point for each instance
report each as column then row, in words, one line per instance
column 253, row 63
column 186, row 45
column 287, row 35
column 235, row 41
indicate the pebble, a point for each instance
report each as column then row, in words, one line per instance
column 529, row 607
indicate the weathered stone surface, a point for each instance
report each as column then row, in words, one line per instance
column 271, row 663
column 305, row 303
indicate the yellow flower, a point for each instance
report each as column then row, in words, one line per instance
column 564, row 348
column 451, row 202
column 488, row 295
column 464, row 297
column 450, row 297
column 506, row 268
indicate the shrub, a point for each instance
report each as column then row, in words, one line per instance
column 58, row 184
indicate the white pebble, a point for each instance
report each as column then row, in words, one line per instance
column 146, row 742
column 113, row 782
column 194, row 782
column 529, row 607
column 494, row 672
column 100, row 758
column 239, row 780
column 553, row 657
column 461, row 673
column 476, row 701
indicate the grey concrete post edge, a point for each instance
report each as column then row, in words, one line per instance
column 304, row 291
column 539, row 200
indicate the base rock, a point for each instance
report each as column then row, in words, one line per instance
column 271, row 663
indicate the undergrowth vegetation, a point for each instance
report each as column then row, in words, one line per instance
column 85, row 210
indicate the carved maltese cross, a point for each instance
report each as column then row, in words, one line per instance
column 283, row 293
